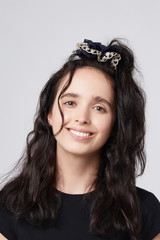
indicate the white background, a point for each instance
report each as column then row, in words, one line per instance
column 37, row 36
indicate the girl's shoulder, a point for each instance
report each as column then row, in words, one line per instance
column 144, row 194
column 148, row 200
column 7, row 226
column 150, row 208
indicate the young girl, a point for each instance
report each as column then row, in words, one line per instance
column 77, row 180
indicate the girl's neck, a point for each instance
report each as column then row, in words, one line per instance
column 76, row 174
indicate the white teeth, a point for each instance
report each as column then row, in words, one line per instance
column 79, row 133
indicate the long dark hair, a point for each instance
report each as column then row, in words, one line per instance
column 115, row 206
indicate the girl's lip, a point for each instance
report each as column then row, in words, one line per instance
column 80, row 130
column 82, row 138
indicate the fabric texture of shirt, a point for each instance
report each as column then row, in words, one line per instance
column 73, row 221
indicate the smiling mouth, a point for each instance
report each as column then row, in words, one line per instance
column 80, row 134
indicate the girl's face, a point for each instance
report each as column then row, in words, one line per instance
column 88, row 108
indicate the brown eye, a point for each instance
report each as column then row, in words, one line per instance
column 70, row 103
column 100, row 109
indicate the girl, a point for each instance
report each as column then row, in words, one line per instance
column 78, row 171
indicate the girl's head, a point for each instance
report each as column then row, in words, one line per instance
column 72, row 100
column 88, row 112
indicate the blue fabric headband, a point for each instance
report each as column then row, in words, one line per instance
column 98, row 51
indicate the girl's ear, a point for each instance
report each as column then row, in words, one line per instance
column 49, row 118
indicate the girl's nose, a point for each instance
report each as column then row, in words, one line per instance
column 83, row 116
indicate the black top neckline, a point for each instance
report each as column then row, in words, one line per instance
column 74, row 197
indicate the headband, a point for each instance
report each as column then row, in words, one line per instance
column 97, row 50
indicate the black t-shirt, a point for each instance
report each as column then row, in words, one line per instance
column 73, row 221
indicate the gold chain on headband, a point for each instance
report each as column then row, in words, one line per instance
column 108, row 55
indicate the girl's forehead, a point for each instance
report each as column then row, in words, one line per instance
column 88, row 79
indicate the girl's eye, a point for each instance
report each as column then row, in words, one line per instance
column 100, row 109
column 70, row 103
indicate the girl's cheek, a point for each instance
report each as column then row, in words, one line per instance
column 67, row 117
column 106, row 124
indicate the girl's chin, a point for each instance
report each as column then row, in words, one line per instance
column 77, row 152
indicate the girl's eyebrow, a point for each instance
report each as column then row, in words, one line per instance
column 97, row 98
